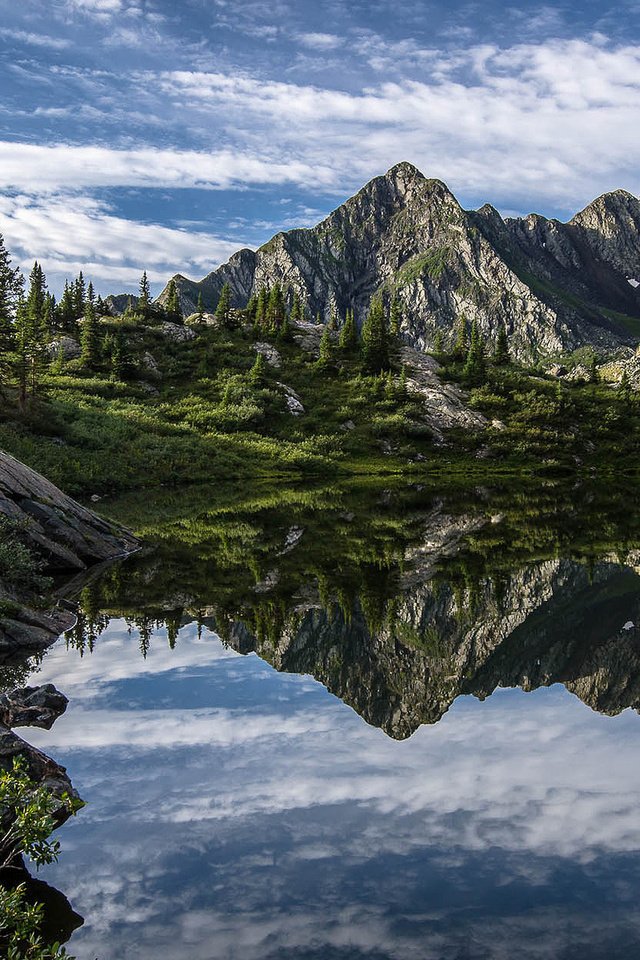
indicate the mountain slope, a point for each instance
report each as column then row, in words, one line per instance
column 553, row 286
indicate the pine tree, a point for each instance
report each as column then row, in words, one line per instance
column 144, row 300
column 79, row 297
column 200, row 307
column 37, row 331
column 251, row 307
column 261, row 307
column 437, row 344
column 121, row 359
column 461, row 346
column 21, row 352
column 89, row 338
column 326, row 354
column 624, row 387
column 223, row 309
column 475, row 365
column 275, row 308
column 501, row 354
column 593, row 369
column 91, row 296
column 11, row 284
column 349, row 333
column 66, row 312
column 173, row 309
column 258, row 370
column 375, row 347
column 295, row 314
column 333, row 320
column 395, row 317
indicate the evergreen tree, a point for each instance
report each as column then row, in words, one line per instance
column 251, row 307
column 37, row 332
column 261, row 307
column 258, row 371
column 22, row 352
column 593, row 369
column 349, row 333
column 327, row 351
column 11, row 284
column 79, row 297
column 121, row 359
column 624, row 388
column 375, row 347
column 66, row 312
column 200, row 307
column 501, row 354
column 223, row 309
column 333, row 320
column 395, row 317
column 461, row 345
column 144, row 300
column 475, row 365
column 275, row 308
column 295, row 314
column 437, row 344
column 89, row 338
column 91, row 296
column 402, row 384
column 173, row 309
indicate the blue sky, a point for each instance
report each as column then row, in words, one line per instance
column 164, row 135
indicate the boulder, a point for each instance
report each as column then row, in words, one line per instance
column 66, row 346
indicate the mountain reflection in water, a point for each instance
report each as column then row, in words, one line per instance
column 243, row 812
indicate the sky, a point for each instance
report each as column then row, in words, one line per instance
column 158, row 135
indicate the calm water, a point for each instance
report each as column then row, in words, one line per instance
column 460, row 793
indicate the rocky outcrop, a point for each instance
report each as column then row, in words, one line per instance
column 61, row 535
column 552, row 286
column 32, row 706
column 53, row 525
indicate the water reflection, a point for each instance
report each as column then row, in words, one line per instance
column 237, row 811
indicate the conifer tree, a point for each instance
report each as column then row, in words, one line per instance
column 258, row 370
column 89, row 338
column 437, row 343
column 144, row 300
column 593, row 369
column 395, row 317
column 66, row 312
column 37, row 333
column 79, row 297
column 375, row 347
column 475, row 365
column 223, row 309
column 261, row 307
column 275, row 308
column 295, row 314
column 333, row 319
column 624, row 387
column 121, row 360
column 461, row 345
column 200, row 307
column 501, row 354
column 21, row 354
column 251, row 307
column 11, row 284
column 173, row 309
column 349, row 333
column 326, row 354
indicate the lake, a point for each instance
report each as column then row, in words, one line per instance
column 381, row 723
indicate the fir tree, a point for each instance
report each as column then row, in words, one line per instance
column 258, row 371
column 11, row 284
column 22, row 352
column 395, row 317
column 593, row 369
column 275, row 309
column 89, row 338
column 475, row 365
column 375, row 347
column 251, row 307
column 37, row 332
column 461, row 345
column 437, row 344
column 223, row 309
column 79, row 296
column 200, row 307
column 327, row 352
column 501, row 354
column 624, row 387
column 66, row 312
column 173, row 302
column 144, row 299
column 121, row 359
column 261, row 307
column 349, row 333
column 333, row 319
column 295, row 314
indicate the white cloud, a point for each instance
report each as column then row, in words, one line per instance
column 41, row 169
column 71, row 233
column 35, row 39
column 321, row 41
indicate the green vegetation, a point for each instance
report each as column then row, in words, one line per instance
column 28, row 813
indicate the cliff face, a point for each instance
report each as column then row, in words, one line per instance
column 59, row 535
column 552, row 286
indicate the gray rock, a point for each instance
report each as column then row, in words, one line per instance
column 270, row 354
column 177, row 332
column 32, row 706
column 66, row 346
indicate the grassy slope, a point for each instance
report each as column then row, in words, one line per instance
column 206, row 420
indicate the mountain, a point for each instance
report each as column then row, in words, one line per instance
column 554, row 286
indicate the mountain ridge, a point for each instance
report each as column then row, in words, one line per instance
column 553, row 286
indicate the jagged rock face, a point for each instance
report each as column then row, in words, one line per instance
column 405, row 234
